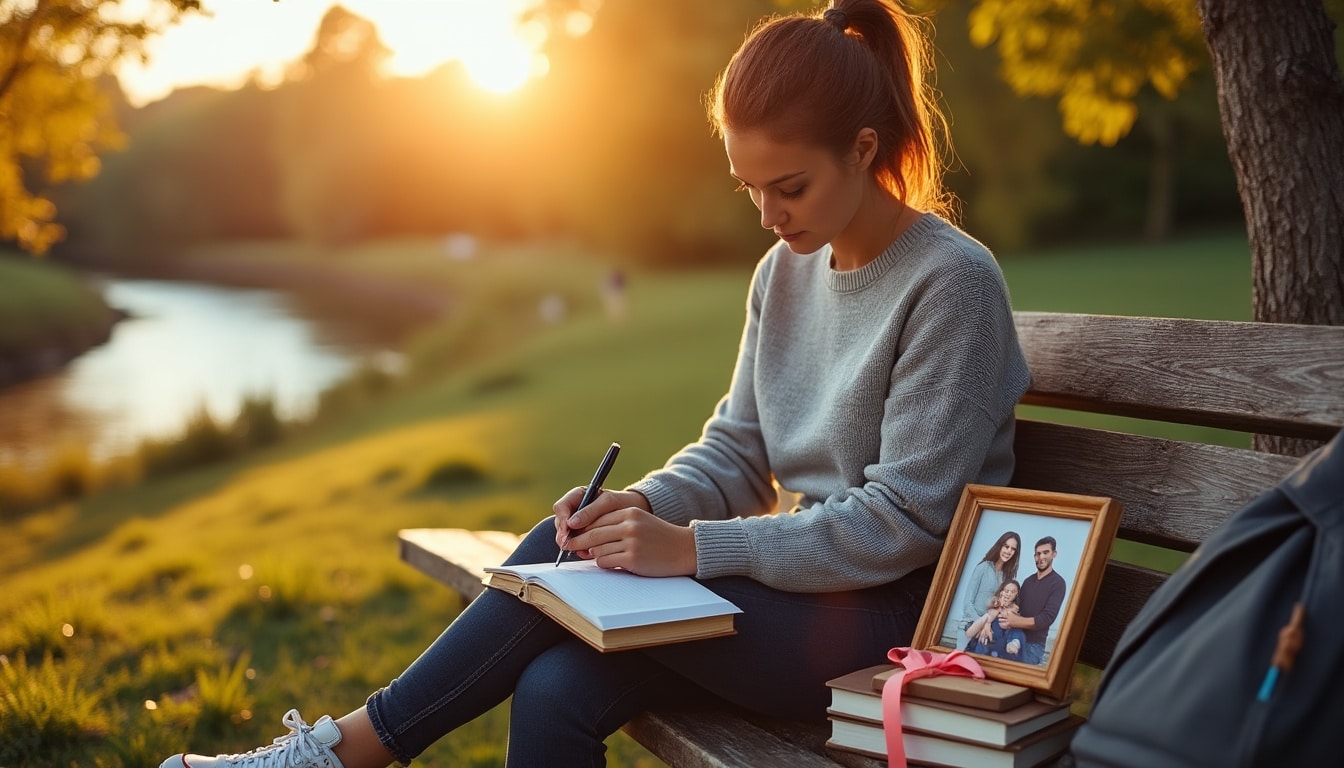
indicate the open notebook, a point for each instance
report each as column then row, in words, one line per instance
column 615, row 609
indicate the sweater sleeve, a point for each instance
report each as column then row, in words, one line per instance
column 974, row 605
column 954, row 382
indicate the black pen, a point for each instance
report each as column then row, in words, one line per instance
column 594, row 488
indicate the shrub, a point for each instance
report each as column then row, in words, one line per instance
column 258, row 424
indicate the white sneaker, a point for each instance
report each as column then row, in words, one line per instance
column 305, row 746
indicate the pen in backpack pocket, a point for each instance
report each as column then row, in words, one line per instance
column 1285, row 652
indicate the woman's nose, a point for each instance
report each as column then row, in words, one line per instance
column 772, row 215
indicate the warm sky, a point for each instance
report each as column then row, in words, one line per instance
column 243, row 36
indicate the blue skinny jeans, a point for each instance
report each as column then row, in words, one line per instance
column 568, row 697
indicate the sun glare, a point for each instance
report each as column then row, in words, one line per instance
column 499, row 55
column 237, row 41
column 503, row 68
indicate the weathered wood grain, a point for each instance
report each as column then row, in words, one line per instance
column 1124, row 589
column 455, row 556
column 1254, row 377
column 723, row 738
column 1174, row 493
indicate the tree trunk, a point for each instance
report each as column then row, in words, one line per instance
column 1281, row 99
column 1161, row 128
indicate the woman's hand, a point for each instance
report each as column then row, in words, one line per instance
column 618, row 530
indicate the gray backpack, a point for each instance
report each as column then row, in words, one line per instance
column 1238, row 659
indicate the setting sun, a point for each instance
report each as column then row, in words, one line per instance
column 499, row 53
column 502, row 68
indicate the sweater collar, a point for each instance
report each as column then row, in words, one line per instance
column 858, row 279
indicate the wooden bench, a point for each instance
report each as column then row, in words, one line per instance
column 1268, row 379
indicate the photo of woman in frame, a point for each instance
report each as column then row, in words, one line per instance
column 999, row 565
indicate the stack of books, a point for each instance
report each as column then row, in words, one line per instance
column 951, row 721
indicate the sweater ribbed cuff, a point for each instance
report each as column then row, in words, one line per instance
column 721, row 548
column 665, row 503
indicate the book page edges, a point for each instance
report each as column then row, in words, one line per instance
column 622, row 638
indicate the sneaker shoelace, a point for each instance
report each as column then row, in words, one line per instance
column 296, row 749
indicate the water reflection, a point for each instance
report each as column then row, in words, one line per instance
column 188, row 346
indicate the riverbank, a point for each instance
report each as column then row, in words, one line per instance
column 49, row 315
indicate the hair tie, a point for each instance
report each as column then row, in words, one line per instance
column 836, row 17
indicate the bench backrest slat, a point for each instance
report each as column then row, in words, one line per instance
column 1254, row 377
column 1124, row 590
column 1174, row 493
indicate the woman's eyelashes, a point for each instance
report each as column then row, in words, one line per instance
column 787, row 194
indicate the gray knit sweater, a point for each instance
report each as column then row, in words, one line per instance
column 876, row 394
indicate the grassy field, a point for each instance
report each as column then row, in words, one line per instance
column 192, row 611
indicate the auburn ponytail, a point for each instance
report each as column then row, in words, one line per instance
column 821, row 77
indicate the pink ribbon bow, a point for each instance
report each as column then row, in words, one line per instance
column 916, row 664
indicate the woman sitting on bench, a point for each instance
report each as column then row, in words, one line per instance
column 877, row 375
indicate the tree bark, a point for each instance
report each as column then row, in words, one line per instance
column 1281, row 98
column 1161, row 127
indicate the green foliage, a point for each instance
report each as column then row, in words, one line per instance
column 257, row 423
column 224, row 698
column 55, row 116
column 59, row 624
column 1095, row 58
column 48, row 711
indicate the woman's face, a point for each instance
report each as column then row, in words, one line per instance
column 1007, row 551
column 806, row 194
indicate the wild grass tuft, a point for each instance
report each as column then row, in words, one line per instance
column 47, row 710
column 66, row 473
column 224, row 698
column 57, row 624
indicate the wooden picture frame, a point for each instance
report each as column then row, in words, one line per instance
column 1083, row 529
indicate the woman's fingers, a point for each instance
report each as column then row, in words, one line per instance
column 564, row 508
column 633, row 539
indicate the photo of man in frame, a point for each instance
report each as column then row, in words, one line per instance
column 1040, row 600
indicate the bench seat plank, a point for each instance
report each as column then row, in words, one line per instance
column 455, row 556
column 725, row 738
column 1272, row 378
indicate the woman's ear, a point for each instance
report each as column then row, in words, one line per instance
column 863, row 150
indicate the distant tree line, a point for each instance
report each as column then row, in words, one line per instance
column 610, row 148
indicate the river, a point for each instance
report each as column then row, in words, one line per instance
column 187, row 346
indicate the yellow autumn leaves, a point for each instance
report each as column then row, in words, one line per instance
column 1094, row 56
